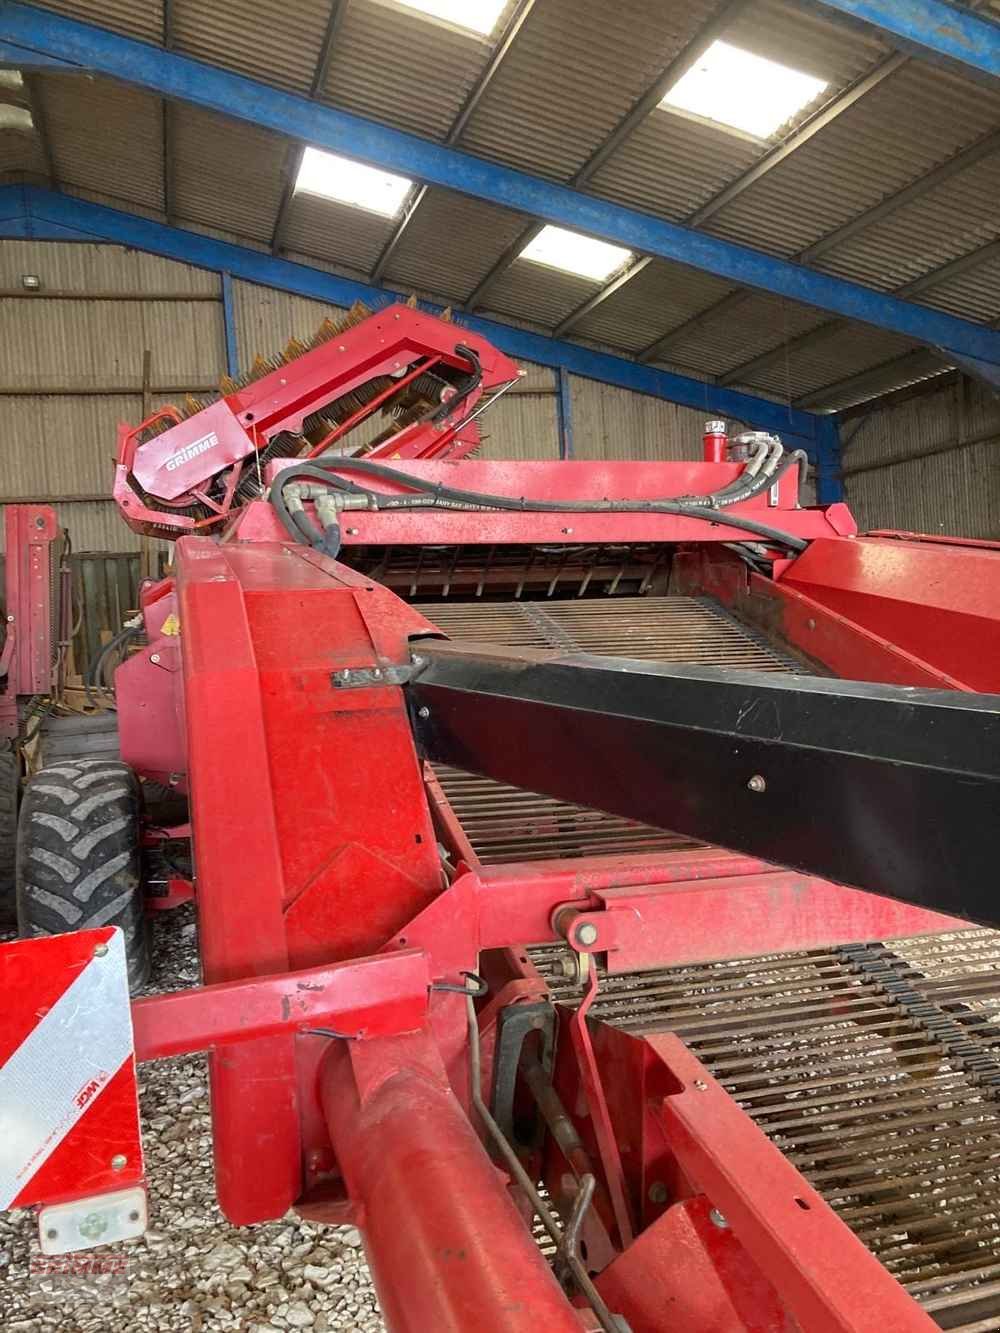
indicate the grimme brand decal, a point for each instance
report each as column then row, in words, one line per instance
column 192, row 450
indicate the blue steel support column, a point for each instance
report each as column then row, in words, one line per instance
column 55, row 216
column 932, row 27
column 564, row 408
column 829, row 486
column 183, row 78
column 229, row 325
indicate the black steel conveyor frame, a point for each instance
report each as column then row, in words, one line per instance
column 891, row 789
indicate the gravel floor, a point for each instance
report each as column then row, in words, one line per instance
column 191, row 1271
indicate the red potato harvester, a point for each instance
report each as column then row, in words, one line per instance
column 585, row 856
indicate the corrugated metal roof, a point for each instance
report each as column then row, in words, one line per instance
column 393, row 65
column 451, row 243
column 952, row 220
column 850, row 349
column 226, row 174
column 975, row 294
column 267, row 39
column 538, row 293
column 915, row 119
column 348, row 237
column 575, row 71
column 761, row 323
column 21, row 153
column 659, row 298
column 673, row 164
column 136, row 18
column 105, row 137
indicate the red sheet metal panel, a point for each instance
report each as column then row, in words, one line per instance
column 937, row 600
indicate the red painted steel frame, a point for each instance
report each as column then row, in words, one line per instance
column 322, row 903
column 448, row 1249
column 827, row 1278
column 895, row 610
column 26, row 660
column 577, row 481
column 936, row 600
column 174, row 467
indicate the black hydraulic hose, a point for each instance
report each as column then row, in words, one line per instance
column 94, row 675
column 448, row 496
column 472, row 382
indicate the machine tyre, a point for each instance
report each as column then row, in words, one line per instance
column 78, row 855
column 10, row 785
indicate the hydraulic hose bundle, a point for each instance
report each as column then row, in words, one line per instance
column 318, row 481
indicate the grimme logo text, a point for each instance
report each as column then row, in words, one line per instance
column 190, row 451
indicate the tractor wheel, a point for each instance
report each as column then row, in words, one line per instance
column 78, row 856
column 10, row 783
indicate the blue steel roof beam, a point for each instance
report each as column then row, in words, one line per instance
column 338, row 131
column 27, row 210
column 499, row 53
column 640, row 110
column 293, row 158
column 166, row 121
column 825, row 116
column 953, row 33
column 930, row 180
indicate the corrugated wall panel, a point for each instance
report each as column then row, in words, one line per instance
column 956, row 492
column 612, row 423
column 522, row 427
column 54, row 344
column 266, row 319
column 63, row 443
column 101, row 268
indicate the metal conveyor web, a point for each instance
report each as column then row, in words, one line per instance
column 504, row 824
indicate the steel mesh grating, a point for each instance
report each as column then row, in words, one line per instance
column 896, row 1126
column 505, row 823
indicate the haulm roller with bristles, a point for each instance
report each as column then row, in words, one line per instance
column 185, row 469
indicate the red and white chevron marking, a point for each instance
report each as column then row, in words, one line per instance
column 69, row 1115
